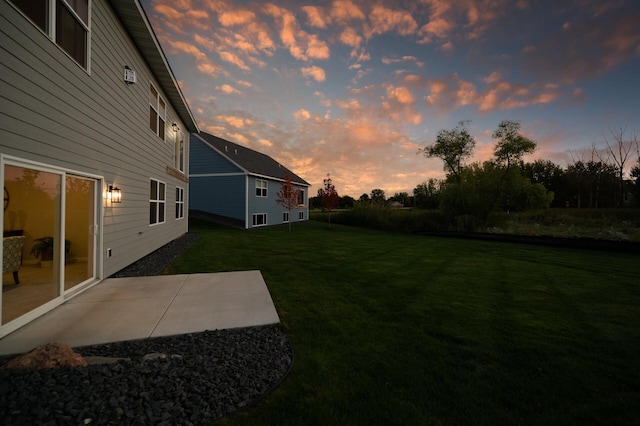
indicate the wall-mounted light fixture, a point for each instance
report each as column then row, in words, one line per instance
column 114, row 194
column 175, row 127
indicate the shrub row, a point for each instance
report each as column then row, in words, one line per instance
column 387, row 219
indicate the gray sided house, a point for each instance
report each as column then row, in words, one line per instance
column 240, row 185
column 93, row 148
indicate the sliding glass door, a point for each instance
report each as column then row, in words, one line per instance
column 80, row 230
column 49, row 237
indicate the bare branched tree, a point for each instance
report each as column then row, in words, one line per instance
column 619, row 145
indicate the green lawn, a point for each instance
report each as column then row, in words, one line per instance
column 400, row 329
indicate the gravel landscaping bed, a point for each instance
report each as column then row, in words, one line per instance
column 178, row 380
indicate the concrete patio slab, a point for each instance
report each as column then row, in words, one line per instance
column 119, row 309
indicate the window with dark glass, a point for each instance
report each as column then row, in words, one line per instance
column 157, row 113
column 179, row 151
column 37, row 11
column 179, row 203
column 71, row 23
column 71, row 33
column 259, row 219
column 261, row 188
column 157, row 202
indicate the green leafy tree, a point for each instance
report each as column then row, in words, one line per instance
column 551, row 176
column 576, row 173
column 483, row 189
column 346, row 202
column 453, row 147
column 378, row 197
column 511, row 146
column 427, row 194
column 401, row 197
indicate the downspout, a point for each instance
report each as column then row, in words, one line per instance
column 246, row 201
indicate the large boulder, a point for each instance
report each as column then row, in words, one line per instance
column 51, row 355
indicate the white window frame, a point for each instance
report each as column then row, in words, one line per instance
column 159, row 200
column 154, row 107
column 179, row 203
column 179, row 151
column 51, row 20
column 300, row 215
column 255, row 221
column 285, row 217
column 262, row 190
column 301, row 197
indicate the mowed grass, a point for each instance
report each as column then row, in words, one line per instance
column 401, row 329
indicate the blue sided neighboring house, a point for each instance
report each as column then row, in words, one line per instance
column 239, row 185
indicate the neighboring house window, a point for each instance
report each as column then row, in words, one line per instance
column 301, row 215
column 261, row 188
column 259, row 219
column 301, row 197
column 70, row 19
column 179, row 203
column 285, row 217
column 179, row 154
column 157, row 201
column 157, row 113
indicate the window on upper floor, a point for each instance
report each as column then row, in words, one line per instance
column 66, row 22
column 301, row 197
column 261, row 188
column 157, row 112
column 157, row 202
column 179, row 151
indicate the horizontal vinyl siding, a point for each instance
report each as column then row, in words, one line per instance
column 54, row 112
column 222, row 195
column 206, row 160
column 269, row 205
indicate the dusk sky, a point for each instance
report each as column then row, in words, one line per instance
column 354, row 88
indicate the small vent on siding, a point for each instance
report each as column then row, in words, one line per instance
column 226, row 148
column 129, row 75
column 236, row 151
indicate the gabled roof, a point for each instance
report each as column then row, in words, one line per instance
column 135, row 21
column 252, row 162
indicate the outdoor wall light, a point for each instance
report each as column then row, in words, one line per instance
column 175, row 127
column 114, row 194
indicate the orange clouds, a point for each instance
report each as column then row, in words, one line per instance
column 314, row 72
column 453, row 92
column 236, row 17
column 383, row 20
column 301, row 44
column 391, row 73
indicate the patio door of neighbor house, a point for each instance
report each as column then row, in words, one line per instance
column 55, row 214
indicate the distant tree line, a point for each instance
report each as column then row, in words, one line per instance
column 594, row 179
